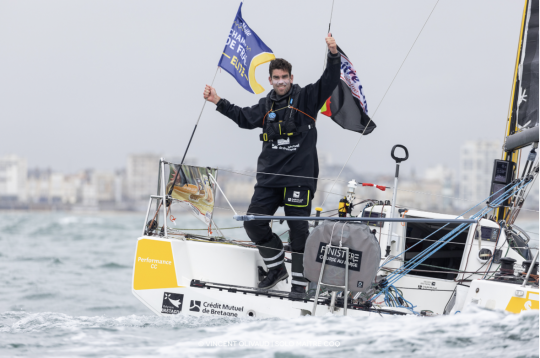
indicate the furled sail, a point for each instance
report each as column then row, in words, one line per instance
column 525, row 99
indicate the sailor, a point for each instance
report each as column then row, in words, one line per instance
column 288, row 167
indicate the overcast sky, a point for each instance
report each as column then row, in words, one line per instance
column 85, row 83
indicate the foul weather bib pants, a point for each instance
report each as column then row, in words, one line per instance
column 296, row 202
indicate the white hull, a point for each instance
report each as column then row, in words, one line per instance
column 168, row 266
column 497, row 295
column 212, row 262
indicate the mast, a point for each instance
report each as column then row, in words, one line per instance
column 512, row 121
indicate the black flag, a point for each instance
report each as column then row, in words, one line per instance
column 347, row 106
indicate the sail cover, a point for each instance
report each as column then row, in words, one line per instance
column 525, row 103
column 364, row 255
column 194, row 189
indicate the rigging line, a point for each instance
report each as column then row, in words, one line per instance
column 251, row 244
column 285, row 175
column 329, row 25
column 398, row 205
column 384, row 96
column 425, row 254
column 459, row 243
column 452, row 234
column 384, row 234
column 345, row 181
column 405, row 59
column 215, row 182
column 225, row 228
column 245, row 212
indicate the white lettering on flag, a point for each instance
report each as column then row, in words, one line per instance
column 348, row 74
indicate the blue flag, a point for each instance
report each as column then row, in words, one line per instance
column 243, row 52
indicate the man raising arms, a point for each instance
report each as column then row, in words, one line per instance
column 288, row 167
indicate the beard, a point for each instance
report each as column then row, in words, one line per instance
column 281, row 90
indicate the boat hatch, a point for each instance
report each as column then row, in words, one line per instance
column 448, row 258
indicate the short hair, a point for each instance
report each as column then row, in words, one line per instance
column 280, row 64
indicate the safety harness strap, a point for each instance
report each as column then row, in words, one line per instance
column 299, row 130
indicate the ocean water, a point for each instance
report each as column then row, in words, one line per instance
column 65, row 291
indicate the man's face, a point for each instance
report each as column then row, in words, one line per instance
column 281, row 81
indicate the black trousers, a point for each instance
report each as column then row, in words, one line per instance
column 296, row 202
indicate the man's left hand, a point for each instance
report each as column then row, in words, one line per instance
column 331, row 43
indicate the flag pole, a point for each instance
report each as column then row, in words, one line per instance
column 198, row 119
column 192, row 134
column 376, row 109
column 329, row 25
column 190, row 139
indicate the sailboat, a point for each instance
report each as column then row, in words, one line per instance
column 430, row 263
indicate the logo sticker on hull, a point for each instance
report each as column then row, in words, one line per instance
column 520, row 304
column 195, row 306
column 172, row 303
column 154, row 265
column 220, row 309
column 428, row 285
column 336, row 257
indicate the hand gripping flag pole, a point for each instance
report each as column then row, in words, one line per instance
column 243, row 52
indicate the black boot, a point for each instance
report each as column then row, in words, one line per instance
column 297, row 292
column 273, row 277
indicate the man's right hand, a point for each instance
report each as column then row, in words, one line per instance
column 210, row 94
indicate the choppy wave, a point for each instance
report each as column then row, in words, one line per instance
column 85, row 220
column 114, row 265
column 471, row 334
column 65, row 290
column 23, row 322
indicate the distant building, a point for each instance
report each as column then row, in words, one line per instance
column 141, row 176
column 13, row 173
column 475, row 169
column 420, row 195
column 439, row 173
column 239, row 189
column 88, row 191
column 72, row 188
column 445, row 177
column 105, row 186
column 432, row 191
column 119, row 183
column 37, row 185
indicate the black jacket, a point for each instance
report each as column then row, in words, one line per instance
column 296, row 156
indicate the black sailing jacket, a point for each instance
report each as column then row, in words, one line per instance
column 297, row 155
